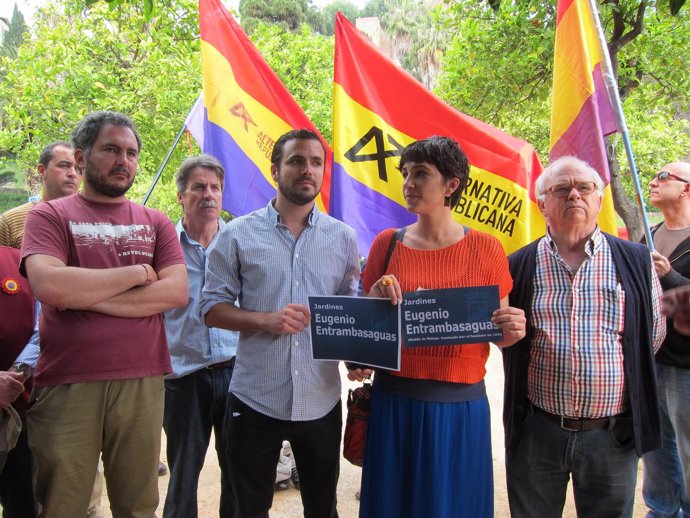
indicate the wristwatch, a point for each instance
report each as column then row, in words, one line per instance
column 23, row 368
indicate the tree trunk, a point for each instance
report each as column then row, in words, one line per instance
column 626, row 208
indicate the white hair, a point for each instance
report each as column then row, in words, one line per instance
column 541, row 186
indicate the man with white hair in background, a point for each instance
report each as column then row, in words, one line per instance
column 580, row 389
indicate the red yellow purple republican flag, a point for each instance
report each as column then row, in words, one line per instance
column 581, row 113
column 246, row 108
column 379, row 109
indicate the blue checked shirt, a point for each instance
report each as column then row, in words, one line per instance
column 258, row 261
column 193, row 345
column 32, row 349
column 576, row 368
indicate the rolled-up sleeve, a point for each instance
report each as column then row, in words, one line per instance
column 659, row 332
column 350, row 284
column 222, row 282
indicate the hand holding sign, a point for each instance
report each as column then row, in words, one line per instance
column 512, row 322
column 387, row 287
column 359, row 374
column 293, row 319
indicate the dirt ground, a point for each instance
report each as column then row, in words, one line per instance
column 287, row 503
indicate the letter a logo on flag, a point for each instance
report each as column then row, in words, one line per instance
column 245, row 109
column 378, row 109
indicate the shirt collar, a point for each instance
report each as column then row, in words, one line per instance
column 182, row 232
column 592, row 246
column 274, row 216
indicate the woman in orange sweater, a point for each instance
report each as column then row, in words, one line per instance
column 428, row 452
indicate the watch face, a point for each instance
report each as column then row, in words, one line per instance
column 23, row 368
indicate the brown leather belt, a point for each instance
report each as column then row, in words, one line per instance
column 573, row 424
column 223, row 365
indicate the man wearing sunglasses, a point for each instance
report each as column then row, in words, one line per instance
column 580, row 390
column 666, row 483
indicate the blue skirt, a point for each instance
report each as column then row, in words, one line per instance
column 427, row 460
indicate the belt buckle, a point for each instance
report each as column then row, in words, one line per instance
column 564, row 427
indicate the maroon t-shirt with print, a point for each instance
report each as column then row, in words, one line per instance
column 79, row 346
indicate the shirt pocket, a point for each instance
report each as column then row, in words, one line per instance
column 609, row 312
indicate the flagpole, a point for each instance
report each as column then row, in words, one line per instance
column 165, row 162
column 615, row 99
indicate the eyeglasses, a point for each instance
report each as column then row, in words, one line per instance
column 662, row 176
column 563, row 190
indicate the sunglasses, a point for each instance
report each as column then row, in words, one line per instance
column 662, row 176
column 563, row 190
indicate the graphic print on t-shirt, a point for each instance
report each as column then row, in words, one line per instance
column 123, row 239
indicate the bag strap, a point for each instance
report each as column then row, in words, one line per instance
column 397, row 236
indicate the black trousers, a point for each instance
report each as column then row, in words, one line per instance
column 253, row 448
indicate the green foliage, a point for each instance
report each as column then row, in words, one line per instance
column 374, row 8
column 78, row 60
column 499, row 65
column 674, row 5
column 147, row 5
column 654, row 72
column 304, row 62
column 142, row 58
column 656, row 64
column 657, row 138
column 6, row 177
column 12, row 198
column 287, row 14
column 10, row 174
column 15, row 34
column 315, row 19
column 349, row 9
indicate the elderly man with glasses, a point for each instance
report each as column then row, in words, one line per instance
column 666, row 483
column 580, row 390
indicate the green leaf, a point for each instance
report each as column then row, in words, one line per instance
column 148, row 9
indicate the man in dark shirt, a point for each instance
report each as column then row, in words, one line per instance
column 666, row 483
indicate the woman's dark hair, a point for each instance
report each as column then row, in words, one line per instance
column 444, row 153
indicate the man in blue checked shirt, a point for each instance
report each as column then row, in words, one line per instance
column 196, row 393
column 271, row 260
column 580, row 390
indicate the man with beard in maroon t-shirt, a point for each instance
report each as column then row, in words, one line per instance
column 104, row 269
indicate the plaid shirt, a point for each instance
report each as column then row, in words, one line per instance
column 576, row 367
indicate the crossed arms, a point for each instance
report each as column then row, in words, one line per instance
column 123, row 292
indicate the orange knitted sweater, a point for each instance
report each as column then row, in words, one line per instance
column 476, row 260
